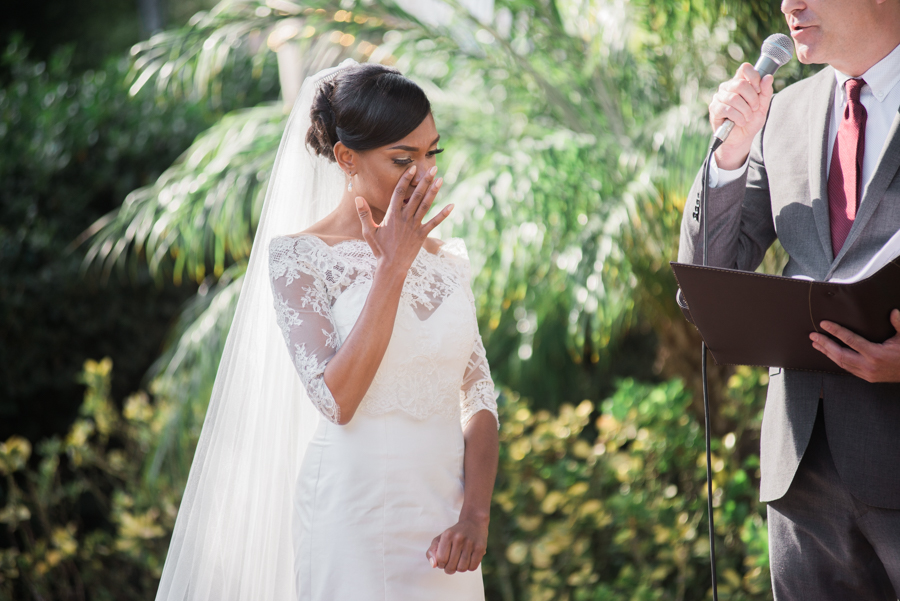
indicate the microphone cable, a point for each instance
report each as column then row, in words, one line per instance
column 704, row 185
column 777, row 50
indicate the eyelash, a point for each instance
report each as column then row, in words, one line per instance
column 430, row 153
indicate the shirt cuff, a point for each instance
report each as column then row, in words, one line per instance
column 719, row 178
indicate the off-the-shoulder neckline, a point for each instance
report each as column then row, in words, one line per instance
column 439, row 253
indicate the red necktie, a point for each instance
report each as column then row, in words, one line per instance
column 845, row 174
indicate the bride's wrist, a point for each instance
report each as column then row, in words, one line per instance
column 478, row 516
column 390, row 274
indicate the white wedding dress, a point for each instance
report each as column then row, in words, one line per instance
column 372, row 494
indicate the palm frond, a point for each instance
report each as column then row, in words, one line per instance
column 190, row 61
column 203, row 210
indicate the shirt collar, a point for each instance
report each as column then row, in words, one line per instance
column 880, row 78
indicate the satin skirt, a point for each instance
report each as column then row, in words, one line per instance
column 371, row 497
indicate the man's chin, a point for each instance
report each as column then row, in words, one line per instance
column 807, row 56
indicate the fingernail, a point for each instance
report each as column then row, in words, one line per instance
column 433, row 564
column 412, row 170
column 439, row 182
column 433, row 170
column 449, row 208
column 359, row 202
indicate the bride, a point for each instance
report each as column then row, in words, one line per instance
column 386, row 493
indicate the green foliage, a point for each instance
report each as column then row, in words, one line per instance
column 95, row 29
column 618, row 510
column 77, row 519
column 72, row 146
column 587, row 506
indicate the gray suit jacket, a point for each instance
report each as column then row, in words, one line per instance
column 784, row 195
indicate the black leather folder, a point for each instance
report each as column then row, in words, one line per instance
column 749, row 318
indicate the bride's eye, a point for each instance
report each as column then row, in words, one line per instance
column 408, row 161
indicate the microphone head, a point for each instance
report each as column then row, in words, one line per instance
column 779, row 48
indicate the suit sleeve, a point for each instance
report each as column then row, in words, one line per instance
column 741, row 227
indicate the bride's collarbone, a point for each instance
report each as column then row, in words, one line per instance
column 325, row 238
column 431, row 245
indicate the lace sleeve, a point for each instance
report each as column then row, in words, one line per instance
column 303, row 311
column 477, row 390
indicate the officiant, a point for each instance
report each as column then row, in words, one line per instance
column 816, row 166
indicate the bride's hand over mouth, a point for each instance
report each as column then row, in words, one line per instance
column 396, row 241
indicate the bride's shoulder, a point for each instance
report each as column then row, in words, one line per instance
column 316, row 240
column 295, row 244
column 303, row 252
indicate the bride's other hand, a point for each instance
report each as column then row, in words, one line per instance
column 397, row 240
column 459, row 548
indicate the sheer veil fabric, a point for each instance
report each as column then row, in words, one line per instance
column 232, row 539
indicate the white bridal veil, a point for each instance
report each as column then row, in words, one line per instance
column 232, row 538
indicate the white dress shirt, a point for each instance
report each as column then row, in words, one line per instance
column 881, row 98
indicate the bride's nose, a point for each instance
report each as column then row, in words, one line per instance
column 423, row 168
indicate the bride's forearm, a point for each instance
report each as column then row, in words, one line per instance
column 351, row 371
column 481, row 456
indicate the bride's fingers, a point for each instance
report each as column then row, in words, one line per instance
column 442, row 557
column 431, row 553
column 477, row 556
column 428, row 200
column 465, row 557
column 401, row 189
column 455, row 552
column 419, row 193
column 437, row 219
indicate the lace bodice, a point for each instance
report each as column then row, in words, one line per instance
column 435, row 362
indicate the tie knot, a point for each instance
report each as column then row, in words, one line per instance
column 854, row 89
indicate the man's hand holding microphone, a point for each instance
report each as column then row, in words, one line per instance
column 739, row 109
column 744, row 99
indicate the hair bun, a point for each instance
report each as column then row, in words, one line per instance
column 322, row 134
column 364, row 107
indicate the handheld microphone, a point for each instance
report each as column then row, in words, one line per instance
column 777, row 51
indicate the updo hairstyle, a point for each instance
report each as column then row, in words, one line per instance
column 365, row 107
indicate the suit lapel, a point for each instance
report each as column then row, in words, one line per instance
column 888, row 163
column 819, row 123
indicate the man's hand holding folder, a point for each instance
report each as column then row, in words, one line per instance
column 867, row 360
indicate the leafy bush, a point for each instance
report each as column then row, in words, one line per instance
column 80, row 522
column 72, row 146
column 619, row 512
column 586, row 507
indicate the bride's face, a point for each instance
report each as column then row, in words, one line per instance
column 378, row 170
